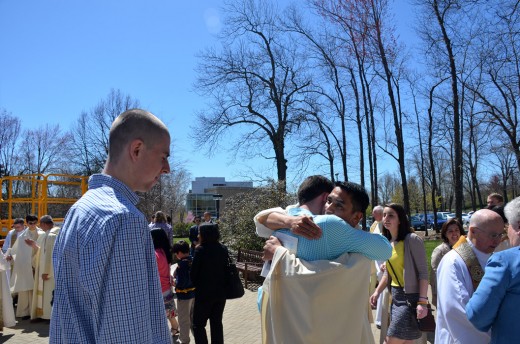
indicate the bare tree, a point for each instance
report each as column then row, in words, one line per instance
column 89, row 147
column 255, row 82
column 41, row 150
column 9, row 136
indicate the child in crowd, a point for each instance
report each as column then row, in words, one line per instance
column 164, row 258
column 184, row 289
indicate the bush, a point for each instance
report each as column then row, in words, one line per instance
column 237, row 227
column 181, row 229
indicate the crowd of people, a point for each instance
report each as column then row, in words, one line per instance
column 107, row 273
column 474, row 277
column 26, row 270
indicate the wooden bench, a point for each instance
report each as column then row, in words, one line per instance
column 250, row 263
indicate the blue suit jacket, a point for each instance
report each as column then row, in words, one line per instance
column 496, row 302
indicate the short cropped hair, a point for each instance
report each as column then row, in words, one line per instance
column 18, row 220
column 512, row 211
column 31, row 217
column 312, row 187
column 181, row 246
column 497, row 196
column 358, row 195
column 134, row 124
column 46, row 219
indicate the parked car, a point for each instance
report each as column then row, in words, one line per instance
column 464, row 217
column 417, row 223
column 441, row 219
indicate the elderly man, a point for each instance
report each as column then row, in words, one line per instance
column 43, row 269
column 376, row 272
column 495, row 303
column 107, row 281
column 22, row 278
column 297, row 298
column 459, row 274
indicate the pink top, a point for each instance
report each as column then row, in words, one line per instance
column 164, row 269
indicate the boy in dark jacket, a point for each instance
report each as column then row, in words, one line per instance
column 184, row 289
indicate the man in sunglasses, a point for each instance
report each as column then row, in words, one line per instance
column 459, row 274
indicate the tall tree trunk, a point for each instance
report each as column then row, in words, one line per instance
column 397, row 123
column 457, row 146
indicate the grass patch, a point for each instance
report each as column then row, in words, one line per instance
column 429, row 246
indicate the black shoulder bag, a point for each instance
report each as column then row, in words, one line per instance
column 234, row 288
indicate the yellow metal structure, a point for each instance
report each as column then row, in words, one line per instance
column 39, row 191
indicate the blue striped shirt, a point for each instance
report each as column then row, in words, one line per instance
column 107, row 281
column 338, row 237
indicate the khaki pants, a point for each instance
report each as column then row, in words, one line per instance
column 185, row 316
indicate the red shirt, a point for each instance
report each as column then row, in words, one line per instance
column 164, row 269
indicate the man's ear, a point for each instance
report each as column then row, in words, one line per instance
column 358, row 216
column 136, row 147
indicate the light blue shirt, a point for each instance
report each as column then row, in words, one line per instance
column 338, row 237
column 107, row 281
column 495, row 303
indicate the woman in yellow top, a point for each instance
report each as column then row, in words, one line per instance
column 408, row 274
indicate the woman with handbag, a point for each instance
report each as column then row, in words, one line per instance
column 209, row 274
column 408, row 274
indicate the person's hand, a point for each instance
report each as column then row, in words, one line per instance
column 270, row 247
column 373, row 299
column 304, row 225
column 422, row 311
column 383, row 267
column 31, row 242
column 45, row 277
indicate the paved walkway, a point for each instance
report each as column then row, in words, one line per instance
column 241, row 325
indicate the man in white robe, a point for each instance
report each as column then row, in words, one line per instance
column 455, row 283
column 6, row 302
column 22, row 279
column 43, row 269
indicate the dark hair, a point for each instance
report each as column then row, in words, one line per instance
column 448, row 223
column 181, row 246
column 358, row 195
column 197, row 217
column 160, row 240
column 312, row 187
column 209, row 233
column 404, row 224
column 499, row 209
column 18, row 220
column 31, row 217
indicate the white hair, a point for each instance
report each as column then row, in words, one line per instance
column 378, row 208
column 512, row 211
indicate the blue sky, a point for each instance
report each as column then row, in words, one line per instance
column 59, row 58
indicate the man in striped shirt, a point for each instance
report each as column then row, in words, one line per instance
column 107, row 283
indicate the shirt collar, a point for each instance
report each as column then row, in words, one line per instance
column 99, row 180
